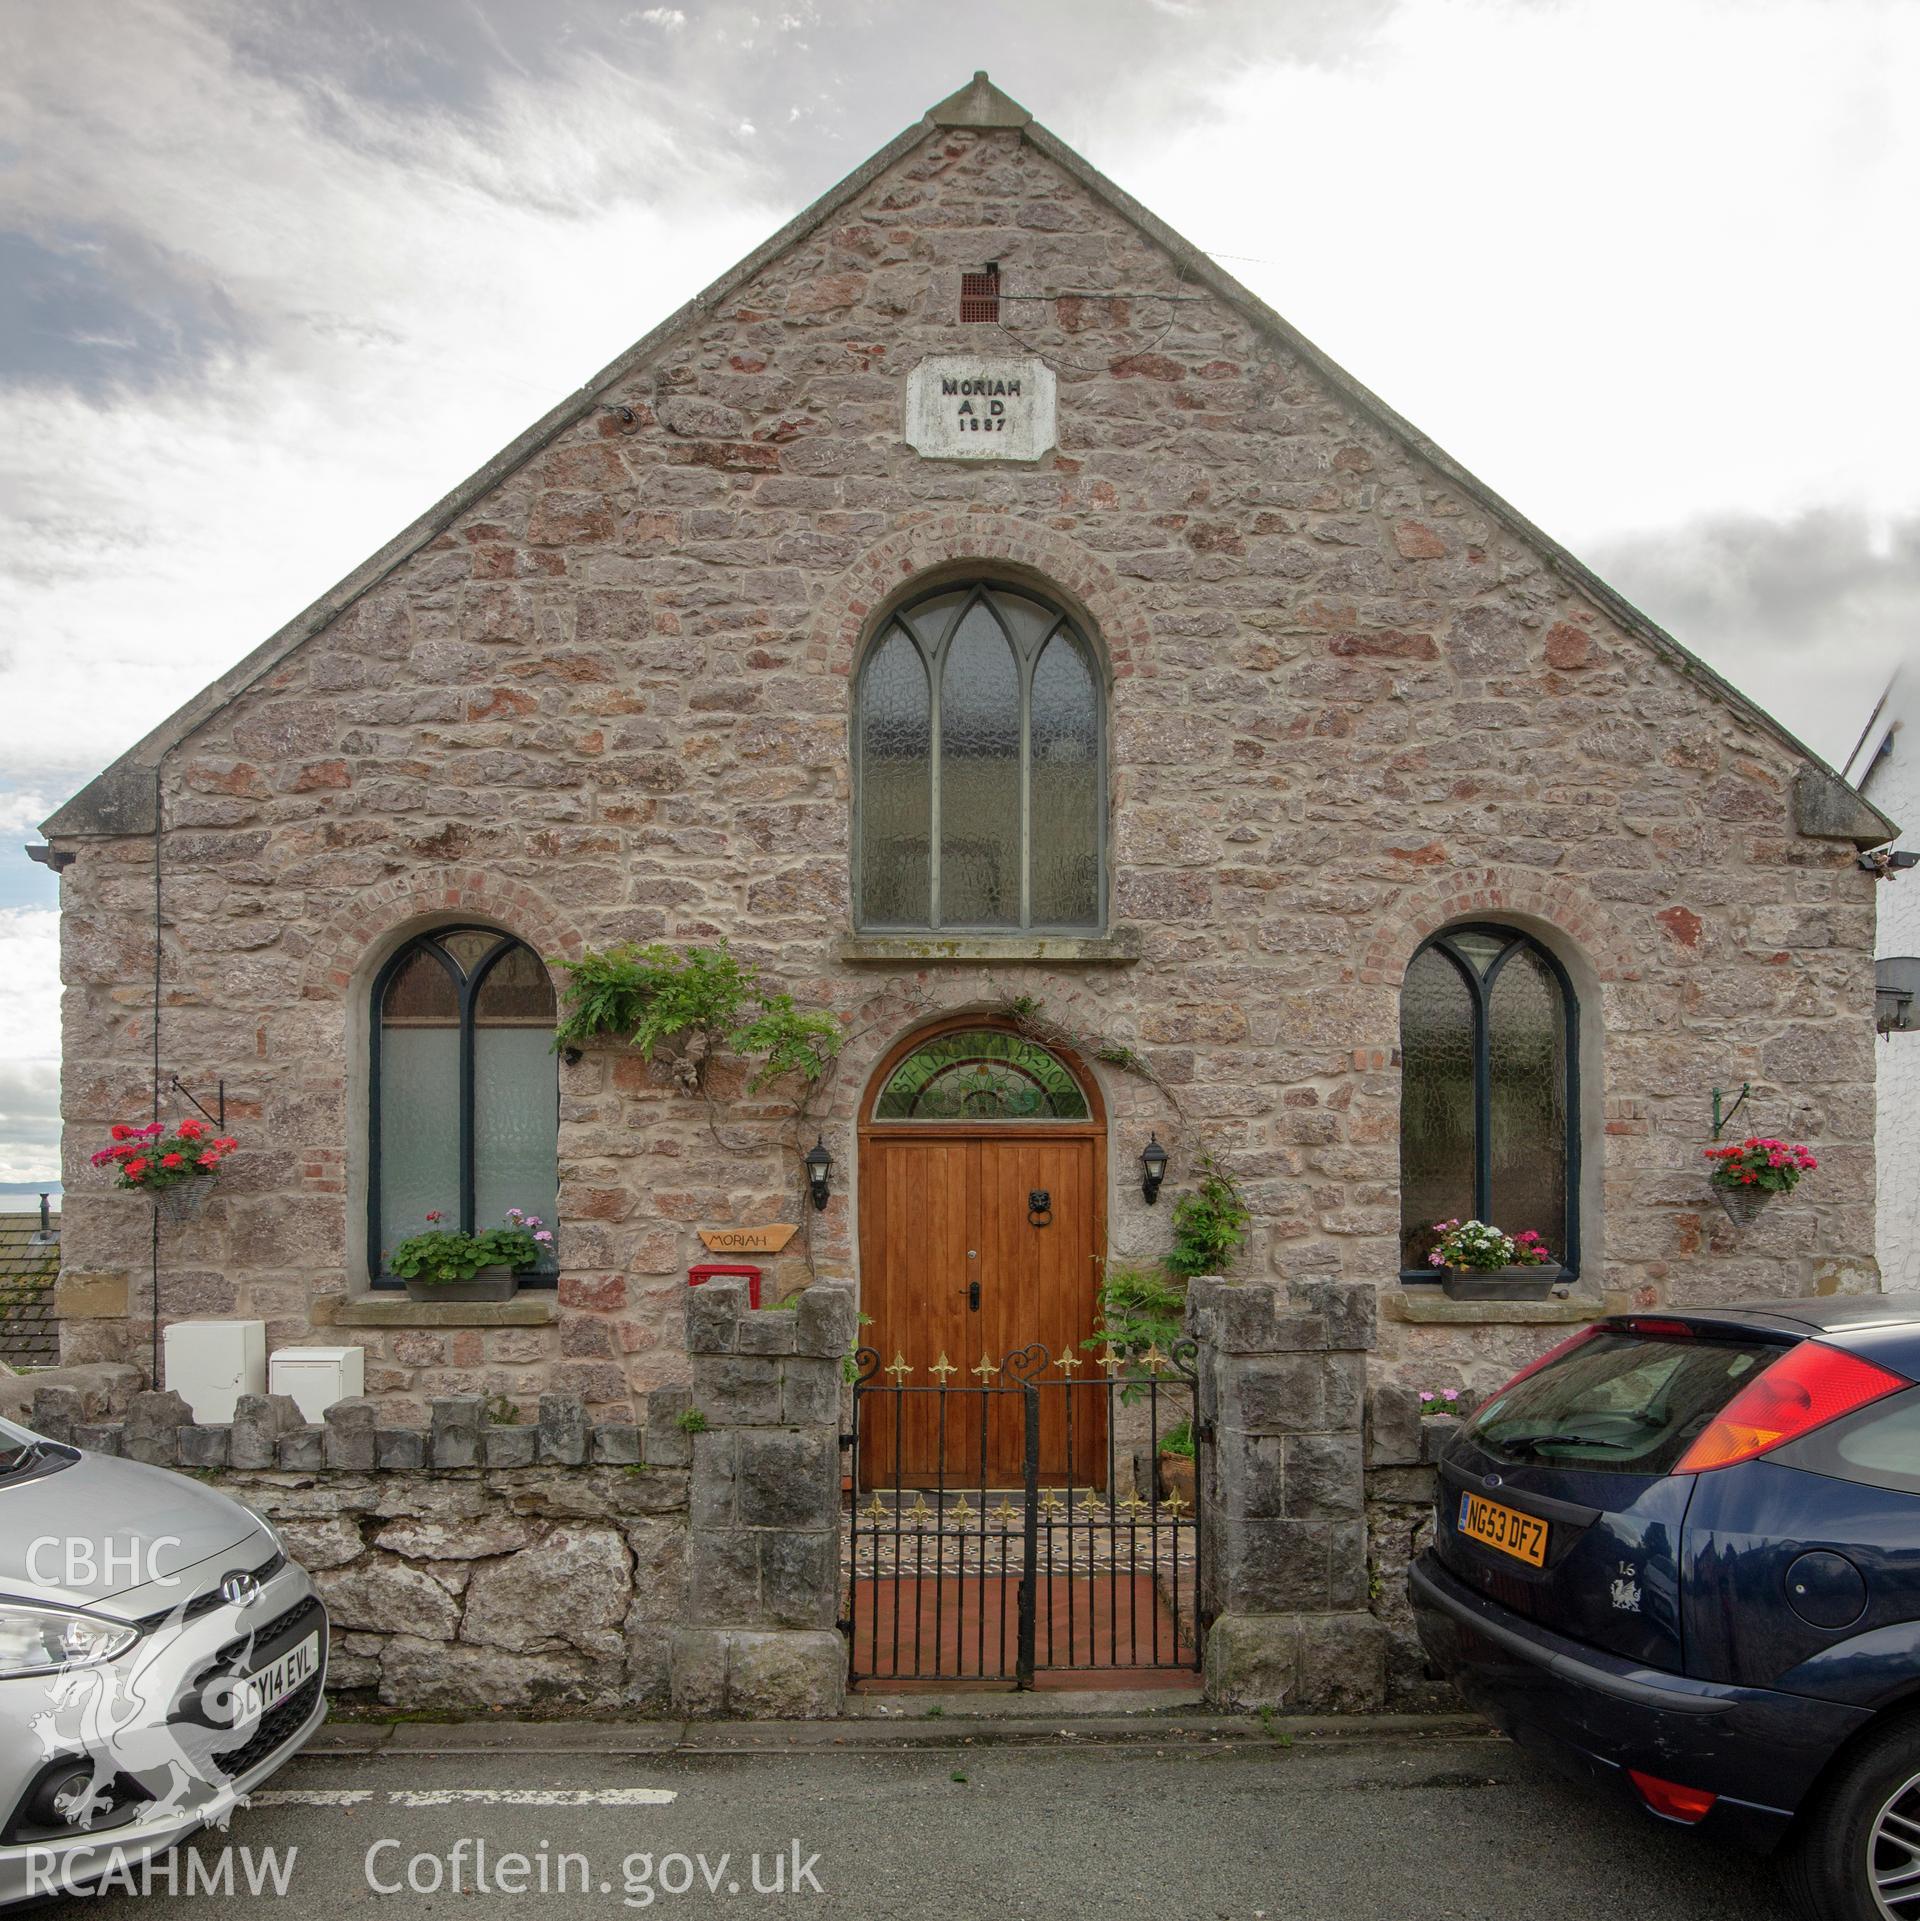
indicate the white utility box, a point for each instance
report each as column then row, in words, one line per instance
column 210, row 1364
column 316, row 1377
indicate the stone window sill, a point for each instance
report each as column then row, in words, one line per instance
column 534, row 1309
column 1121, row 948
column 1428, row 1307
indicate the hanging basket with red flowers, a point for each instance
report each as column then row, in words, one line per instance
column 1748, row 1174
column 175, row 1167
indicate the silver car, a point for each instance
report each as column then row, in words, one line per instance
column 160, row 1656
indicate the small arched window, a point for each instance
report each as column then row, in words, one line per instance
column 980, row 768
column 1489, row 1092
column 465, row 1101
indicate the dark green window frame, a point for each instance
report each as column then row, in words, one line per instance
column 1479, row 986
column 1026, row 655
column 467, row 983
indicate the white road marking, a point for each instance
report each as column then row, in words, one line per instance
column 309, row 1797
column 533, row 1797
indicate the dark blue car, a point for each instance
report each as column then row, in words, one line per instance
column 1682, row 1552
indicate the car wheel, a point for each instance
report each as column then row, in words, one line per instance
column 1855, row 1852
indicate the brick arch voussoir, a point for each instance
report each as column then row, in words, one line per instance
column 1493, row 893
column 342, row 944
column 947, row 540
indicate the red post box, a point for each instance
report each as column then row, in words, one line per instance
column 705, row 1271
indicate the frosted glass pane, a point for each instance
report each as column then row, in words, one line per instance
column 517, row 992
column 1436, row 1103
column 515, row 1121
column 1064, row 789
column 979, row 777
column 471, row 947
column 931, row 619
column 895, row 807
column 422, row 990
column 1479, row 950
column 1027, row 621
column 419, row 1128
column 1527, row 1082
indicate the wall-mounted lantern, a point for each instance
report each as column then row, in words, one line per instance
column 1153, row 1163
column 819, row 1165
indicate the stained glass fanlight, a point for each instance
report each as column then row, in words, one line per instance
column 981, row 1074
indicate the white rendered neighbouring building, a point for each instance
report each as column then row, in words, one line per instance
column 1886, row 767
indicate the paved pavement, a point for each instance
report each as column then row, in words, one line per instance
column 911, row 1813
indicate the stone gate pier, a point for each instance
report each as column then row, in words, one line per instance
column 1283, row 1572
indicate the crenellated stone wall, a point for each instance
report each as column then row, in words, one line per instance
column 692, row 1563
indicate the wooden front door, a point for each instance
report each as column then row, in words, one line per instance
column 956, row 1260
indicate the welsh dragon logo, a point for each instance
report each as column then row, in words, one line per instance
column 122, row 1722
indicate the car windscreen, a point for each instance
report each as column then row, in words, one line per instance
column 1619, row 1402
column 25, row 1456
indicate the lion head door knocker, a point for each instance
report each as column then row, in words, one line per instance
column 1039, row 1208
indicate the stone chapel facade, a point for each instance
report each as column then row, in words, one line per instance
column 1239, row 693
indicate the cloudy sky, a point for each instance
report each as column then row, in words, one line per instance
column 274, row 276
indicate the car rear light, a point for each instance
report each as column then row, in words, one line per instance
column 1806, row 1388
column 1660, row 1330
column 1670, row 1800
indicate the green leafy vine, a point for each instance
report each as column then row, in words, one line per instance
column 694, row 1002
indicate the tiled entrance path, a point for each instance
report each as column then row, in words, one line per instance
column 936, row 1606
column 1089, row 1633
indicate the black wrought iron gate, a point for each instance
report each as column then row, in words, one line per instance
column 955, row 1576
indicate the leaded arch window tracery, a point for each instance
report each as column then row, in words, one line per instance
column 1489, row 1093
column 980, row 767
column 981, row 1074
column 463, row 1116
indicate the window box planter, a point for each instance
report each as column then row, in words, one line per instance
column 495, row 1283
column 1531, row 1283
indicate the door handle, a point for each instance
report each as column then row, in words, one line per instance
column 1040, row 1207
column 973, row 1297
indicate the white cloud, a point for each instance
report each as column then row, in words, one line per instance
column 1627, row 259
column 420, row 289
column 669, row 18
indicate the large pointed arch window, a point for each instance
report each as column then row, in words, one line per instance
column 1489, row 1092
column 464, row 1112
column 980, row 768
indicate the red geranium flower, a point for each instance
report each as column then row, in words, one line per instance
column 172, row 1160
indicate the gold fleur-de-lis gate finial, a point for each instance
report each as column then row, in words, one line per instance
column 985, row 1367
column 897, row 1367
column 943, row 1367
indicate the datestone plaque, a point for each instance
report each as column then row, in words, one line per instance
column 967, row 407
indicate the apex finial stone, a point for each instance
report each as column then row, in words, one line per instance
column 979, row 104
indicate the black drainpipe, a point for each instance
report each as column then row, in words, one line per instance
column 154, row 1379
